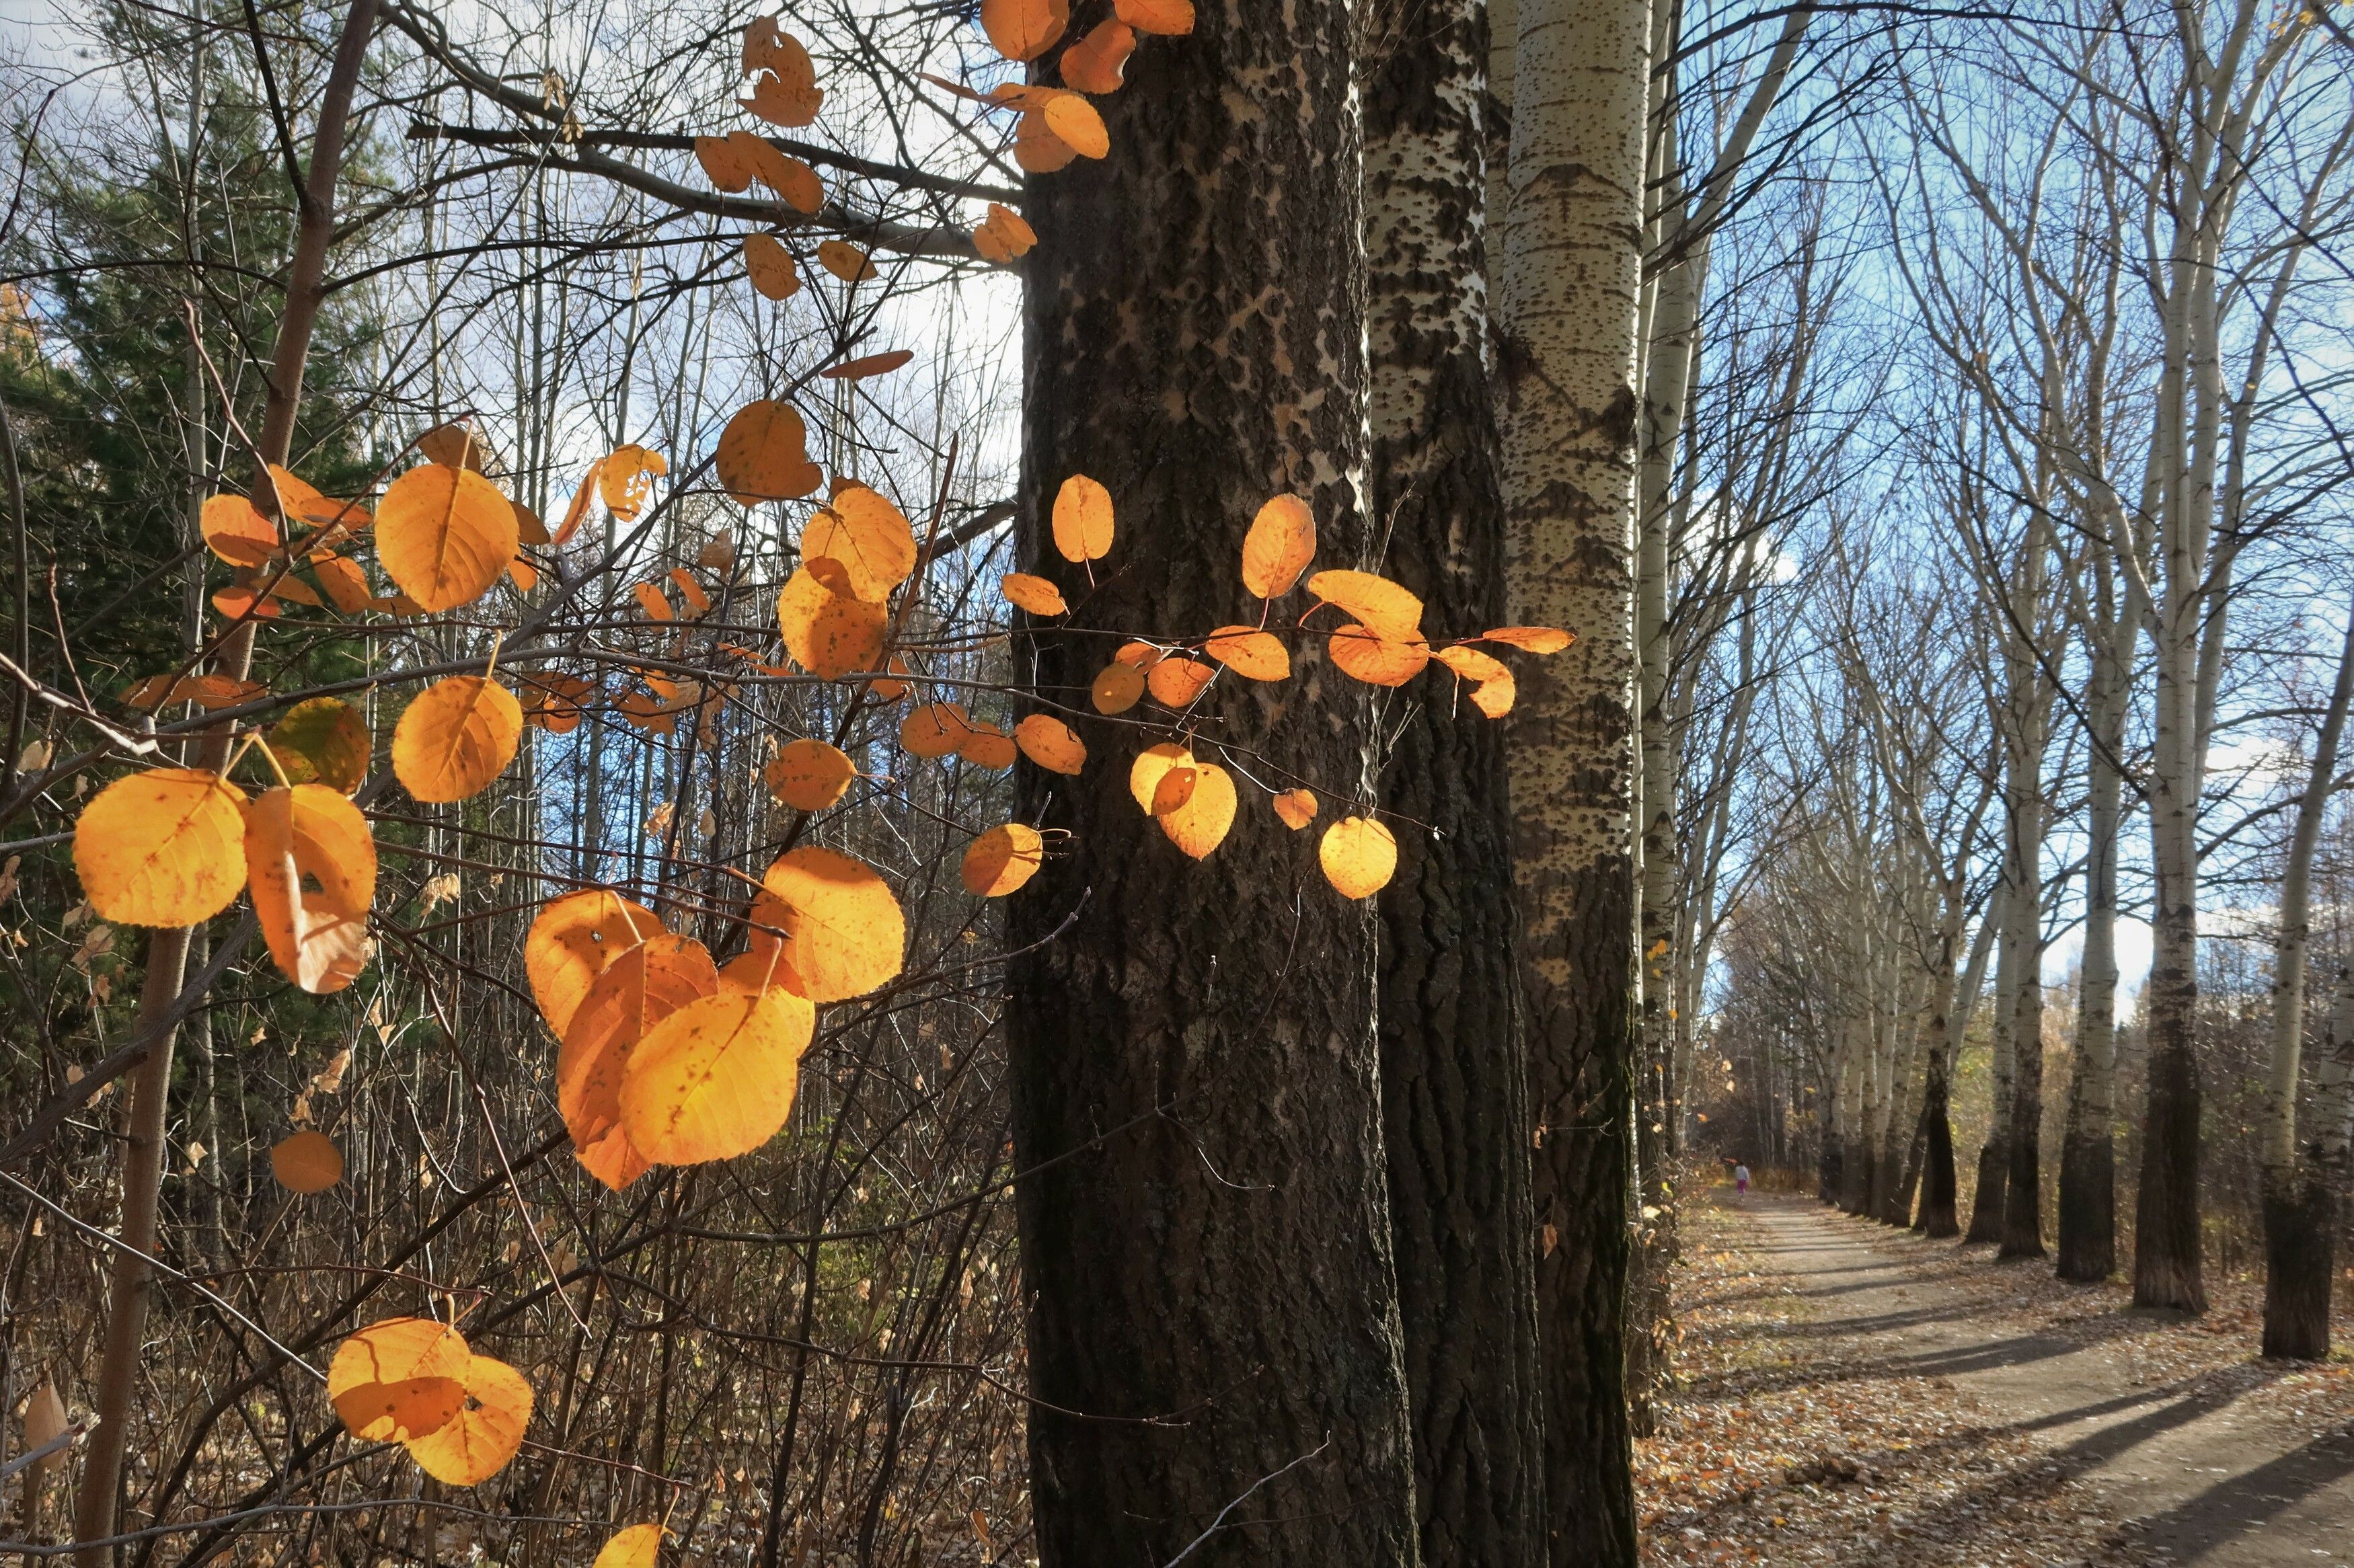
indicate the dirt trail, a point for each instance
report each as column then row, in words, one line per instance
column 2214, row 1457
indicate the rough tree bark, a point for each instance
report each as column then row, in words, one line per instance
column 2023, row 1215
column 1571, row 280
column 1454, row 1065
column 1206, row 1236
column 1993, row 1156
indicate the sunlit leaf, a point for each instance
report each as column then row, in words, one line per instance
column 715, row 1078
column 1375, row 660
column 986, row 746
column 1076, row 123
column 311, row 864
column 870, row 538
column 323, row 740
column 1034, row 594
column 576, row 938
column 165, row 847
column 1176, row 680
column 454, row 445
column 795, row 183
column 771, row 268
column 1199, row 825
column 1530, row 638
column 1001, row 860
column 844, row 933
column 306, row 1162
column 763, row 455
column 1175, row 789
column 347, row 584
column 236, row 532
column 1098, row 63
column 1280, row 544
column 1037, row 149
column 1297, row 808
column 723, row 163
column 1024, row 30
column 1051, row 744
column 845, row 261
column 867, row 364
column 645, row 985
column 553, row 702
column 1081, row 520
column 1385, row 608
column 809, row 775
column 445, row 536
column 476, row 1444
column 454, row 737
column 828, row 630
column 1116, row 688
column 399, row 1377
column 1359, row 856
column 639, row 1546
column 1170, row 18
column 1004, row 234
column 1151, row 764
column 1493, row 687
column 625, row 480
column 934, row 730
column 1253, row 654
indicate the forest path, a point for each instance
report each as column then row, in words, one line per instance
column 2217, row 1458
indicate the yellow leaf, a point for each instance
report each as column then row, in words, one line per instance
column 312, row 861
column 576, row 938
column 830, row 632
column 771, row 268
column 809, row 775
column 399, row 1377
column 1251, row 654
column 1199, row 825
column 455, row 737
column 843, row 932
column 445, row 536
column 1024, row 30
column 637, row 1547
column 845, row 261
column 1034, row 594
column 1359, row 856
column 1280, row 544
column 763, row 455
column 1082, row 520
column 476, row 1444
column 1001, row 860
column 1386, row 610
column 165, row 847
column 871, row 539
column 1297, row 808
column 1051, row 744
column 715, row 1078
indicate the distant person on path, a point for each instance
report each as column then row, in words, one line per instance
column 1741, row 1179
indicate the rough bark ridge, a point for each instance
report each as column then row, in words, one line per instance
column 1993, row 1156
column 1571, row 280
column 1454, row 1066
column 1207, row 1245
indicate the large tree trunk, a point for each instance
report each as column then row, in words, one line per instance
column 2301, row 1218
column 1205, row 1232
column 2300, row 1210
column 1570, row 277
column 2087, row 1218
column 1994, row 1156
column 2023, row 1215
column 1454, row 1063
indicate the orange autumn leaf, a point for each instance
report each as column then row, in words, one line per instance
column 576, row 938
column 697, row 601
column 454, row 445
column 300, row 501
column 445, row 536
column 323, row 740
column 1253, row 654
column 1034, row 594
column 771, row 266
column 809, row 775
column 347, row 584
column 1168, row 18
column 1051, row 744
column 1081, row 520
column 1175, row 789
column 1076, row 123
column 1386, row 610
column 1001, row 860
column 715, row 1078
column 165, row 847
column 1004, row 234
column 890, row 691
column 552, row 703
column 1098, row 63
column 844, row 933
column 1297, row 808
column 236, row 532
column 306, row 1163
column 845, row 261
column 986, row 746
column 1176, row 680
column 1359, row 856
column 934, row 730
column 1116, row 688
column 238, row 603
column 577, row 513
column 1493, row 687
column 795, row 183
column 1530, row 638
column 786, row 94
column 723, row 163
column 868, row 364
column 1280, row 544
column 399, row 1377
column 311, row 864
column 829, row 631
column 476, row 1444
column 1375, row 660
column 644, row 986
column 1199, row 825
column 1037, row 149
column 639, row 1546
column 763, row 455
column 1151, row 764
column 649, row 600
column 455, row 737
column 870, row 538
column 1024, row 30
column 626, row 479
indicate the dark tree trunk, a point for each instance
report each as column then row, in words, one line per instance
column 1986, row 1203
column 2167, row 1262
column 2022, row 1211
column 2088, row 1232
column 2300, row 1255
column 1828, row 1174
column 1855, row 1165
column 1454, row 1065
column 1897, row 1209
column 1205, row 1235
column 1937, row 1219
